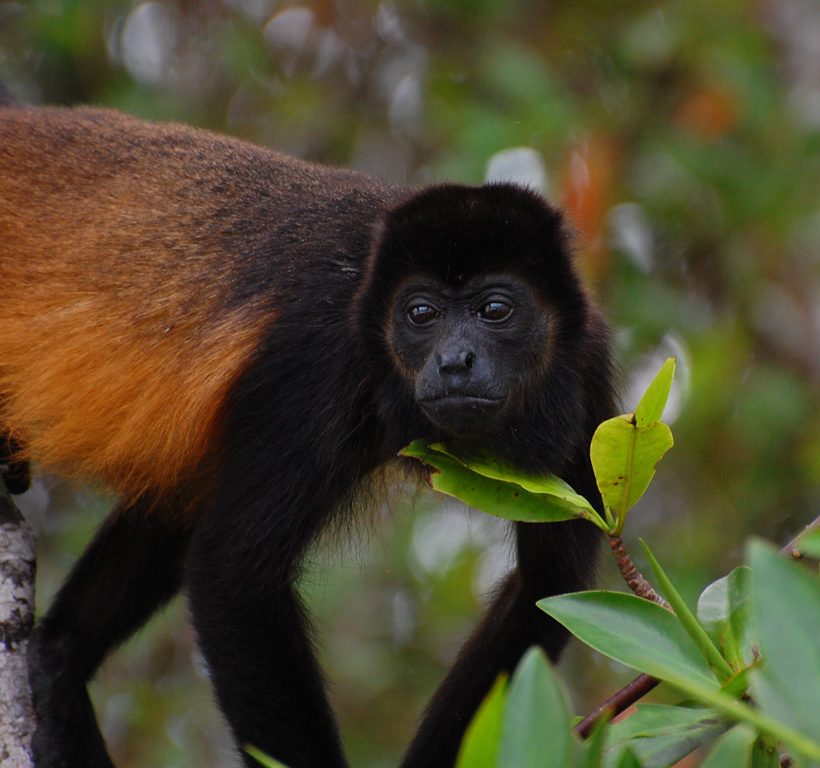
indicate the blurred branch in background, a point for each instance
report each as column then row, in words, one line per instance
column 683, row 142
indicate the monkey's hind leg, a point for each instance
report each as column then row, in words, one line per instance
column 16, row 473
column 131, row 568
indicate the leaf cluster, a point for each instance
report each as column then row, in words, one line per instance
column 747, row 662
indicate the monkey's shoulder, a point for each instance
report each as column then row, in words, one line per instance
column 86, row 143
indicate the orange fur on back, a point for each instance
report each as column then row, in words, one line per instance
column 117, row 346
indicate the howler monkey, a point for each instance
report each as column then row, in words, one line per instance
column 233, row 341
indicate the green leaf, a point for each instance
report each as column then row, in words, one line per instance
column 687, row 619
column 479, row 748
column 624, row 456
column 765, row 753
column 633, row 631
column 650, row 408
column 661, row 735
column 628, row 760
column 549, row 485
column 787, row 612
column 595, row 746
column 626, row 449
column 262, row 758
column 724, row 610
column 738, row 683
column 503, row 499
column 536, row 717
column 733, row 749
column 809, row 544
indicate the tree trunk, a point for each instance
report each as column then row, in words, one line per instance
column 17, row 569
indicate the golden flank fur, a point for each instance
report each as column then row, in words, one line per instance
column 90, row 355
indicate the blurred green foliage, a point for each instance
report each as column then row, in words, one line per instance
column 682, row 140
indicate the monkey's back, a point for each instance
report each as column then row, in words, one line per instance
column 140, row 266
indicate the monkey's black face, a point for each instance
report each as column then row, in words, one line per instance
column 468, row 349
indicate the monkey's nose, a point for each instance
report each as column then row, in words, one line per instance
column 456, row 360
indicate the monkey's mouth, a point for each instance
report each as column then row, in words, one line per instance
column 460, row 413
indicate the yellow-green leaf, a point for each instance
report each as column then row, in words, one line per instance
column 624, row 456
column 650, row 408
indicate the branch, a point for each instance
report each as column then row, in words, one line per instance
column 17, row 569
column 637, row 688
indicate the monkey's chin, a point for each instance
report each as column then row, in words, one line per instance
column 463, row 415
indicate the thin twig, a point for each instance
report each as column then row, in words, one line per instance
column 617, row 703
column 634, row 579
column 792, row 548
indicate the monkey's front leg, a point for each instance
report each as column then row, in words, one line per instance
column 253, row 632
column 494, row 646
column 552, row 559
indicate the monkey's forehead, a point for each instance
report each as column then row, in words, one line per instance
column 508, row 206
column 456, row 232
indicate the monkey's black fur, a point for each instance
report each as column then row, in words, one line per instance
column 16, row 474
column 322, row 404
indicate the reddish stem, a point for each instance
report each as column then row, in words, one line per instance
column 632, row 576
column 617, row 703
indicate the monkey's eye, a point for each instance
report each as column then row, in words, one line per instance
column 422, row 314
column 495, row 311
